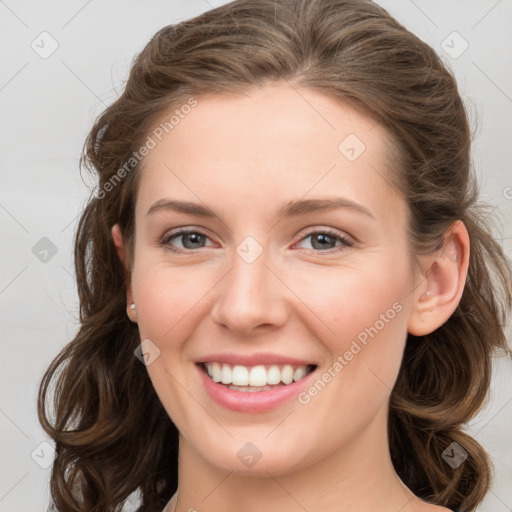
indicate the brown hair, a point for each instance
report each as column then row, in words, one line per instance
column 112, row 435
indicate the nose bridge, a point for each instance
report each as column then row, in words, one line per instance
column 248, row 295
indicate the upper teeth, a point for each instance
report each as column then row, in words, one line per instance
column 255, row 375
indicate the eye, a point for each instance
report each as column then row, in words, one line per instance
column 325, row 240
column 190, row 240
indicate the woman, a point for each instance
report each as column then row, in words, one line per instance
column 286, row 234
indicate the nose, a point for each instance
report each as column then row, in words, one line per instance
column 250, row 298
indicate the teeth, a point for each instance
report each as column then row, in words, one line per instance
column 216, row 372
column 227, row 375
column 240, row 376
column 273, row 375
column 299, row 373
column 287, row 374
column 249, row 389
column 255, row 378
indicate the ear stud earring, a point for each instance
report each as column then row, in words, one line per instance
column 132, row 306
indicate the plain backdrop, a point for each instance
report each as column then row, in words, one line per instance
column 62, row 63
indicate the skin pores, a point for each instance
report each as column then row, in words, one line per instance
column 246, row 157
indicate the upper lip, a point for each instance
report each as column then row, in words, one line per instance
column 253, row 359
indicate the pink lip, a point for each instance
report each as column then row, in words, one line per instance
column 257, row 402
column 253, row 359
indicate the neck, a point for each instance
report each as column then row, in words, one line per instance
column 358, row 476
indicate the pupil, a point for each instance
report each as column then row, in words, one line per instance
column 322, row 237
column 189, row 236
column 197, row 238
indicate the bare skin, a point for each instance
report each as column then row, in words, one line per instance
column 246, row 157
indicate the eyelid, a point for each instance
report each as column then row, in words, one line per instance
column 346, row 240
column 314, row 229
column 176, row 232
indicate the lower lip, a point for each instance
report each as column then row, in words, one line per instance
column 246, row 401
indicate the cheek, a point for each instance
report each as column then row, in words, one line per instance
column 353, row 303
column 366, row 315
column 166, row 298
column 168, row 303
column 366, row 355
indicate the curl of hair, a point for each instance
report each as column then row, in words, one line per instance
column 112, row 435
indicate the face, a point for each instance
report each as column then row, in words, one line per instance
column 259, row 279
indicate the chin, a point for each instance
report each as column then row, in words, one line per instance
column 255, row 458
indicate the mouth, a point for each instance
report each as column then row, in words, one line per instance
column 257, row 378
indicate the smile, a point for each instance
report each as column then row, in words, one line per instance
column 254, row 389
column 255, row 378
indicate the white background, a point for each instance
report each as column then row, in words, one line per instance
column 48, row 106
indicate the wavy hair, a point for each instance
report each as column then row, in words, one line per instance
column 96, row 401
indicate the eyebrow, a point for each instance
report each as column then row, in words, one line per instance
column 292, row 209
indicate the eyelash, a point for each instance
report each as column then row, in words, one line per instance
column 345, row 242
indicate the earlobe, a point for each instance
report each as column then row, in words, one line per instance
column 117, row 236
column 439, row 293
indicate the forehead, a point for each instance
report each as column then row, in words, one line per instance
column 271, row 144
column 258, row 115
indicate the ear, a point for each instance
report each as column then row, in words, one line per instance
column 118, row 242
column 443, row 281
